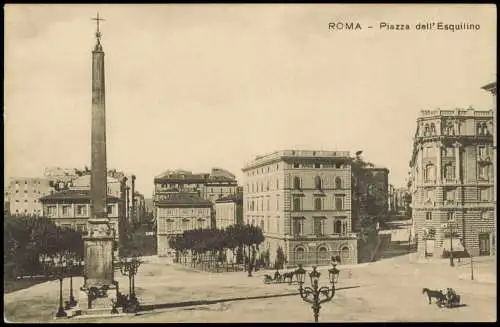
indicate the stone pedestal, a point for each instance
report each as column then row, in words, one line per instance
column 100, row 291
column 103, row 304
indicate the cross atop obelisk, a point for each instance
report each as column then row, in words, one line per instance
column 98, row 34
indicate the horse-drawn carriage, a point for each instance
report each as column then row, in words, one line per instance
column 279, row 278
column 444, row 298
column 451, row 299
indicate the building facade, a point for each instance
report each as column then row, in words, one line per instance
column 177, row 212
column 401, row 200
column 216, row 185
column 492, row 88
column 302, row 202
column 71, row 209
column 23, row 195
column 451, row 182
column 229, row 211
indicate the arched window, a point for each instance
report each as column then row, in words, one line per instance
column 296, row 204
column 337, row 227
column 296, row 182
column 345, row 253
column 433, row 129
column 317, row 182
column 323, row 255
column 317, row 204
column 300, row 254
column 338, row 182
column 479, row 129
column 430, row 173
column 449, row 172
column 277, row 184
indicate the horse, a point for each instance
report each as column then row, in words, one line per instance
column 438, row 295
column 288, row 275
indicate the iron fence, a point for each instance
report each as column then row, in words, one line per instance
column 319, row 258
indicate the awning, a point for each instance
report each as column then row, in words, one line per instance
column 457, row 244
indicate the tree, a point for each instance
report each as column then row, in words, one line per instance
column 254, row 238
column 371, row 199
column 280, row 258
column 27, row 239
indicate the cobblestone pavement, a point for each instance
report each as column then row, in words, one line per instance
column 387, row 290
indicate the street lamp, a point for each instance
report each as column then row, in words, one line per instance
column 451, row 229
column 312, row 295
column 73, row 263
column 129, row 267
column 60, row 266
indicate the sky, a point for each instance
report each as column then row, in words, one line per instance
column 194, row 86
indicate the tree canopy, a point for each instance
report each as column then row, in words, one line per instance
column 203, row 240
column 29, row 238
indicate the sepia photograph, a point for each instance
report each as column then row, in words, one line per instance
column 250, row 163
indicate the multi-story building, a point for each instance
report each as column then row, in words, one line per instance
column 451, row 182
column 139, row 208
column 219, row 184
column 492, row 87
column 216, row 185
column 211, row 187
column 302, row 202
column 23, row 194
column 71, row 208
column 83, row 183
column 176, row 212
column 401, row 200
column 229, row 211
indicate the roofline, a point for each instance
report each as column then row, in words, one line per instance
column 182, row 205
column 278, row 156
column 491, row 87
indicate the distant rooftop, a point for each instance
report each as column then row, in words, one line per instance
column 179, row 175
column 73, row 195
column 470, row 112
column 231, row 198
column 183, row 200
column 277, row 155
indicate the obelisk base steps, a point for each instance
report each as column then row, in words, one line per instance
column 102, row 303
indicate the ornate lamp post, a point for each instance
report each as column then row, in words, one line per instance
column 73, row 263
column 450, row 228
column 312, row 294
column 129, row 267
column 60, row 265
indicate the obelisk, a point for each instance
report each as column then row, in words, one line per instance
column 99, row 286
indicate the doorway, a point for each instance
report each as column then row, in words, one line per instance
column 484, row 244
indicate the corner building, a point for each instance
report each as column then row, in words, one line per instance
column 302, row 202
column 451, row 182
